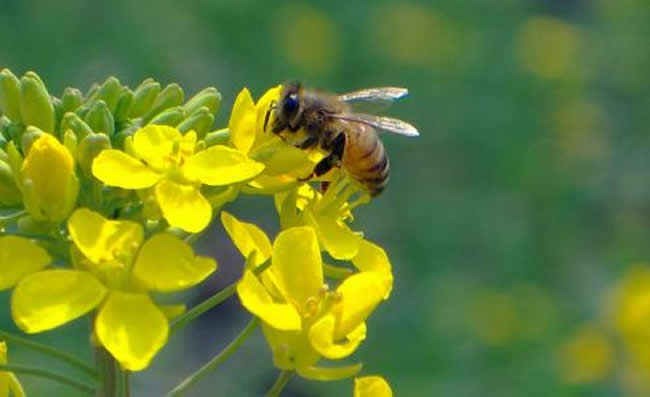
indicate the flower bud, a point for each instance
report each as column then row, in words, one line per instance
column 35, row 103
column 218, row 137
column 209, row 97
column 58, row 112
column 71, row 142
column 72, row 98
column 109, row 92
column 49, row 184
column 100, row 119
column 72, row 121
column 143, row 98
column 89, row 148
column 171, row 117
column 30, row 135
column 9, row 193
column 171, row 96
column 200, row 121
column 123, row 106
column 10, row 95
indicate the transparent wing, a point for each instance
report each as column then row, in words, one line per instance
column 379, row 122
column 373, row 100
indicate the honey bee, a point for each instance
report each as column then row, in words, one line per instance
column 349, row 137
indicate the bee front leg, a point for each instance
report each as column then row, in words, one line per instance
column 309, row 142
column 331, row 160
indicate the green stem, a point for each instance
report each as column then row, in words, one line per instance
column 21, row 369
column 208, row 367
column 63, row 356
column 108, row 373
column 126, row 390
column 280, row 383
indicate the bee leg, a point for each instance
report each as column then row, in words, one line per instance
column 310, row 141
column 268, row 113
column 331, row 160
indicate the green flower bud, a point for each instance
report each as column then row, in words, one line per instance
column 10, row 195
column 109, row 92
column 91, row 94
column 10, row 95
column 15, row 162
column 70, row 142
column 209, row 97
column 100, row 119
column 200, row 121
column 35, row 103
column 123, row 106
column 218, row 137
column 143, row 98
column 30, row 135
column 171, row 117
column 89, row 148
column 72, row 98
column 58, row 112
column 170, row 97
column 72, row 121
column 4, row 156
column 124, row 133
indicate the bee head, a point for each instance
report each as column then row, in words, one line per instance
column 287, row 109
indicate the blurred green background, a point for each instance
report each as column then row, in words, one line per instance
column 507, row 221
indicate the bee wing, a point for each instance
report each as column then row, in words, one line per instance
column 373, row 100
column 379, row 122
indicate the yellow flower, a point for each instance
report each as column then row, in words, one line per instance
column 372, row 386
column 115, row 270
column 302, row 319
column 284, row 163
column 327, row 213
column 167, row 162
column 48, row 181
column 8, row 381
column 19, row 257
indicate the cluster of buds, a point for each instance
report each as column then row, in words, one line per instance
column 103, row 193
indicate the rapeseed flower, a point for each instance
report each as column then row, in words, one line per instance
column 8, row 381
column 372, row 386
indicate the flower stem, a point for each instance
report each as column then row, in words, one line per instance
column 215, row 361
column 21, row 369
column 280, row 383
column 107, row 368
column 63, row 356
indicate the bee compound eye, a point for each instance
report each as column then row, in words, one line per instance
column 291, row 104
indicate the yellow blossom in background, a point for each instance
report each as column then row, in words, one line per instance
column 8, row 381
column 115, row 269
column 167, row 161
column 372, row 386
column 48, row 181
column 586, row 357
column 284, row 164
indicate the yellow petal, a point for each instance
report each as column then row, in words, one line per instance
column 116, row 168
column 101, row 240
column 337, row 238
column 297, row 264
column 220, row 165
column 321, row 335
column 14, row 386
column 268, row 184
column 261, row 108
column 290, row 349
column 242, row 122
column 172, row 311
column 257, row 300
column 360, row 294
column 372, row 386
column 166, row 263
column 248, row 238
column 51, row 298
column 329, row 374
column 373, row 258
column 155, row 143
column 132, row 328
column 281, row 158
column 183, row 206
column 18, row 258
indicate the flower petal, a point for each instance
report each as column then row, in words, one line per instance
column 101, row 240
column 173, row 311
column 51, row 298
column 329, row 374
column 220, row 165
column 248, row 238
column 116, row 168
column 131, row 328
column 372, row 386
column 360, row 294
column 18, row 258
column 281, row 158
column 262, row 107
column 337, row 238
column 183, row 206
column 297, row 264
column 242, row 122
column 256, row 299
column 155, row 143
column 373, row 258
column 166, row 263
column 321, row 335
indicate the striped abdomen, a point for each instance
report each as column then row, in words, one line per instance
column 365, row 158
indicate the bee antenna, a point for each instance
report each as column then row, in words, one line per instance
column 268, row 113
